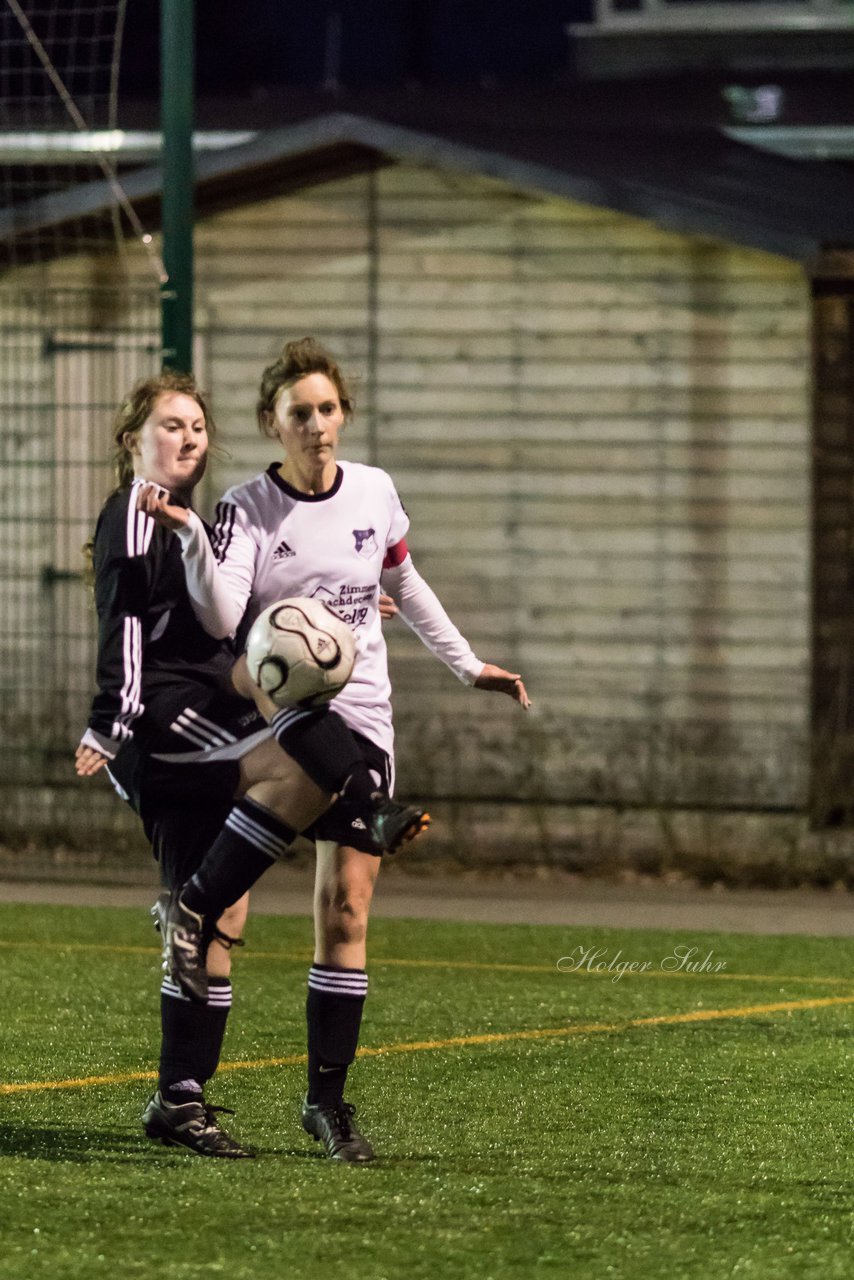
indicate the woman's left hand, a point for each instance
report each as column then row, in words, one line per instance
column 88, row 761
column 247, row 688
column 154, row 501
column 497, row 680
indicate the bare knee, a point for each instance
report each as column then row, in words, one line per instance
column 344, row 911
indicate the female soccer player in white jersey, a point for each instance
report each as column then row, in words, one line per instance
column 196, row 760
column 311, row 525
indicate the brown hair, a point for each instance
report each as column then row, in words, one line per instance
column 131, row 416
column 136, row 408
column 298, row 360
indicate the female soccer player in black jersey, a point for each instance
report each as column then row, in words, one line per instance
column 313, row 526
column 197, row 760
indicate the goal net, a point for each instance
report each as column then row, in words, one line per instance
column 77, row 327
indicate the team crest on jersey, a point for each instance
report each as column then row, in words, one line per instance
column 366, row 542
column 283, row 551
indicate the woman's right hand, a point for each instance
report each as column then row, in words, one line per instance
column 497, row 680
column 153, row 499
column 387, row 607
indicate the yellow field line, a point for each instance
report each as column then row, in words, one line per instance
column 500, row 966
column 40, row 945
column 488, row 966
column 463, row 1042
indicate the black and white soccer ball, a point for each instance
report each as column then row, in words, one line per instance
column 300, row 652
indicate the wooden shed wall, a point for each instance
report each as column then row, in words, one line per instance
column 601, row 433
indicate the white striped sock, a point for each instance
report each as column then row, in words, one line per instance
column 219, row 993
column 288, row 716
column 170, row 988
column 256, row 834
column 339, row 982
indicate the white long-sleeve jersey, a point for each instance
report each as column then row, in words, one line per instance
column 271, row 541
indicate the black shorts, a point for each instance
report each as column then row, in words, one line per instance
column 183, row 801
column 190, row 720
column 183, row 807
column 344, row 823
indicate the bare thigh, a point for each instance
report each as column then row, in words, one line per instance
column 274, row 780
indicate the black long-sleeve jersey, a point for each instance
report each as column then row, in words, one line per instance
column 157, row 666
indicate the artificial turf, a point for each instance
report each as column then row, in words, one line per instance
column 671, row 1125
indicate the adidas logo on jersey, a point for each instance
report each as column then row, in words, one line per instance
column 283, row 551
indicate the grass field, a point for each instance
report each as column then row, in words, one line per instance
column 531, row 1122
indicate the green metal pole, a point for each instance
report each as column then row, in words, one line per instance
column 176, row 122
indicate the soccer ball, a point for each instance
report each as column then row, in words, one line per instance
column 300, row 652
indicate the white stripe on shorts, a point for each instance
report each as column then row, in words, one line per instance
column 202, row 724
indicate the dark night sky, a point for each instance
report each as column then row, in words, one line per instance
column 258, row 44
column 259, row 61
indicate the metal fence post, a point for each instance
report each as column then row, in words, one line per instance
column 176, row 113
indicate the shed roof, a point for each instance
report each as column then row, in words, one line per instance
column 697, row 181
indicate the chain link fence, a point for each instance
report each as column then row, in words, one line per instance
column 66, row 357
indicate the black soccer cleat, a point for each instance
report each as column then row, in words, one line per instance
column 192, row 1125
column 185, row 944
column 333, row 1126
column 391, row 825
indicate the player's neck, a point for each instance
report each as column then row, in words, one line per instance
column 311, row 480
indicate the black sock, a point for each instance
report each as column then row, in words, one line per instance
column 249, row 843
column 192, row 1037
column 333, row 1010
column 324, row 747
